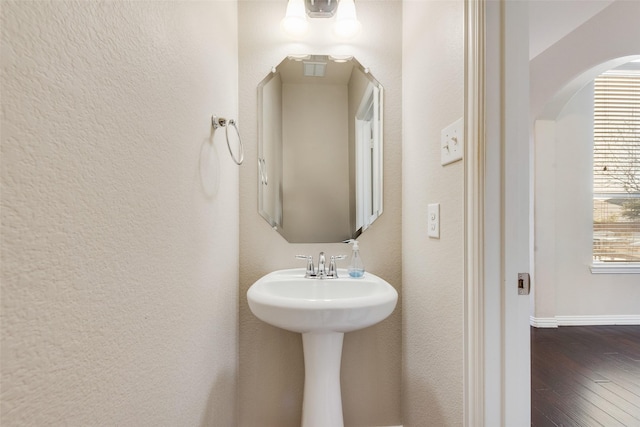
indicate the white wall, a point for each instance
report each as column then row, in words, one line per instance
column 564, row 189
column 119, row 214
column 564, row 289
column 543, row 291
column 551, row 20
column 432, row 270
column 562, row 69
column 271, row 360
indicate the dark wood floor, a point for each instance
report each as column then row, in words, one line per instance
column 585, row 376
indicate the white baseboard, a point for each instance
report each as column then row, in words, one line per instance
column 554, row 322
column 543, row 322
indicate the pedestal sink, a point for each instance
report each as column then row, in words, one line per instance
column 322, row 310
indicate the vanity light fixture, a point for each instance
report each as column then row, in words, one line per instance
column 295, row 22
column 340, row 58
column 321, row 8
column 299, row 57
column 347, row 24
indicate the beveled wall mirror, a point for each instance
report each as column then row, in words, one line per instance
column 320, row 148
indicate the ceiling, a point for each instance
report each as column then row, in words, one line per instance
column 551, row 20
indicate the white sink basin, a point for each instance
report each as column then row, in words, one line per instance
column 287, row 300
column 322, row 310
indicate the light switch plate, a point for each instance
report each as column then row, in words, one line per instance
column 452, row 143
column 433, row 222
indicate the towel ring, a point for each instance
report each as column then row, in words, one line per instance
column 217, row 122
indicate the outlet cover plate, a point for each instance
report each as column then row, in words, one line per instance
column 433, row 222
column 452, row 143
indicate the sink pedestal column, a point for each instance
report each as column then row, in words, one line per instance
column 322, row 402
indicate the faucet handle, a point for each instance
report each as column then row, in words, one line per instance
column 333, row 271
column 311, row 272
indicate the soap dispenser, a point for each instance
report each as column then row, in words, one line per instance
column 356, row 266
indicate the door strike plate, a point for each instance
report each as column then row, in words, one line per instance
column 524, row 284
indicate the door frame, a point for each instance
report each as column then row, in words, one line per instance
column 496, row 327
column 474, row 214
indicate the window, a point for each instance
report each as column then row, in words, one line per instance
column 616, row 167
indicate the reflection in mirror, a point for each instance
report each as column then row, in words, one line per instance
column 319, row 149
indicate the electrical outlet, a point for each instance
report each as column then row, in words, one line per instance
column 452, row 143
column 433, row 222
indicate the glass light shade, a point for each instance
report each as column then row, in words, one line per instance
column 347, row 24
column 295, row 21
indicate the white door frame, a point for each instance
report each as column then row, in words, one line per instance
column 496, row 348
column 474, row 214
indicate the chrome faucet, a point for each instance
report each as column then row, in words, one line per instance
column 321, row 272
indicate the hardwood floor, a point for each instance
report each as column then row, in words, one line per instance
column 585, row 376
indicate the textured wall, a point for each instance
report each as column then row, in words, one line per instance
column 119, row 214
column 271, row 361
column 432, row 270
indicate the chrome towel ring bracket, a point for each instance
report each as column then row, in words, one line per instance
column 217, row 122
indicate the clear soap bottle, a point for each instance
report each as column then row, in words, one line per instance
column 356, row 266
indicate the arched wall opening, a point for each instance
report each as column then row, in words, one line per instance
column 565, row 291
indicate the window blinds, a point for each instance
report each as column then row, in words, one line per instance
column 616, row 154
column 616, row 167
